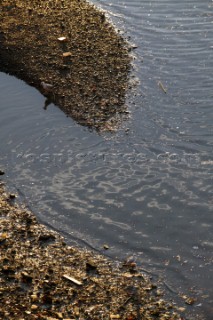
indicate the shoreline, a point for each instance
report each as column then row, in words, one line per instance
column 73, row 47
column 44, row 278
column 70, row 45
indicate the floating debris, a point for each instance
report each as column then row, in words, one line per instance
column 189, row 300
column 161, row 86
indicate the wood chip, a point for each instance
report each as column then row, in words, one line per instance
column 79, row 283
column 128, row 275
column 62, row 39
column 34, row 307
column 115, row 316
column 67, row 54
column 161, row 86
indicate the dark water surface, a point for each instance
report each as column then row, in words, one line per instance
column 147, row 190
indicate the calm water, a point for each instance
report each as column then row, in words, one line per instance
column 147, row 190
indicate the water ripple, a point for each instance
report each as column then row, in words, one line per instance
column 148, row 189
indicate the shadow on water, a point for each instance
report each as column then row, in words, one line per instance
column 146, row 190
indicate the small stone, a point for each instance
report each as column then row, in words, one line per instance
column 34, row 297
column 12, row 196
column 28, row 312
column 67, row 54
column 181, row 309
column 34, row 307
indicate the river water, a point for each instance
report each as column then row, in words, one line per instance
column 146, row 190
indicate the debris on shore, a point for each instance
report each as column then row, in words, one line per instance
column 73, row 47
column 41, row 277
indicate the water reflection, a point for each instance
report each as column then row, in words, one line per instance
column 148, row 189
